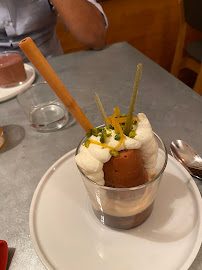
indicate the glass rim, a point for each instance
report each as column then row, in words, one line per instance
column 10, row 52
column 131, row 188
column 4, row 53
column 31, row 86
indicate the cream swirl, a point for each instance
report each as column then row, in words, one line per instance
column 91, row 159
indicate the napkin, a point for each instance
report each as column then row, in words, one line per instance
column 3, row 254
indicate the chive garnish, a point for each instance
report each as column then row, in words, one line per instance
column 129, row 121
column 100, row 108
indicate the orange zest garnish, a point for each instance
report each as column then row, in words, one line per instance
column 101, row 144
column 108, row 120
column 115, row 120
column 117, row 112
column 122, row 136
column 123, row 119
column 119, row 119
column 114, row 124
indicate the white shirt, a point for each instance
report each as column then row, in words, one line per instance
column 34, row 18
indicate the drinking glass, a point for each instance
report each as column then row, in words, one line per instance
column 42, row 107
column 125, row 208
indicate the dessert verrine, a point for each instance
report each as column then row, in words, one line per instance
column 12, row 69
column 120, row 172
column 121, row 165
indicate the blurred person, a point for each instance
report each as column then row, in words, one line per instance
column 37, row 19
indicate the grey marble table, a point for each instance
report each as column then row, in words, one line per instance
column 175, row 112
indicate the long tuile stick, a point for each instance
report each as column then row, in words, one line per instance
column 38, row 60
column 129, row 121
column 100, row 108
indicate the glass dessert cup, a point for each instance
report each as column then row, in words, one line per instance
column 12, row 71
column 125, row 208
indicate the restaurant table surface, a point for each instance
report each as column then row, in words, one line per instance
column 174, row 110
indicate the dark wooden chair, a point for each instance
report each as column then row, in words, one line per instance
column 190, row 14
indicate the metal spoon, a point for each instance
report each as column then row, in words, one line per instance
column 186, row 155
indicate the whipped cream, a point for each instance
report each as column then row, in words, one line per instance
column 91, row 159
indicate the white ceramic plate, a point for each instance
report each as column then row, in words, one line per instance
column 67, row 235
column 9, row 92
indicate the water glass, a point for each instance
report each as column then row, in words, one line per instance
column 125, row 208
column 42, row 107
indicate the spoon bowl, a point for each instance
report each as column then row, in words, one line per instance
column 186, row 155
